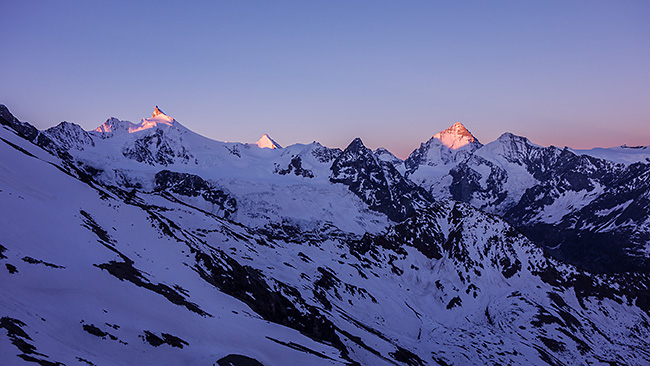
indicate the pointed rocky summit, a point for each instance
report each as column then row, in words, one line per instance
column 157, row 112
column 267, row 142
column 455, row 136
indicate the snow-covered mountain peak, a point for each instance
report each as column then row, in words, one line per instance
column 157, row 112
column 512, row 147
column 158, row 118
column 449, row 146
column 507, row 136
column 456, row 136
column 70, row 136
column 113, row 124
column 356, row 152
column 356, row 144
column 267, row 142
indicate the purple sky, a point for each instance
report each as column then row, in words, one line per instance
column 573, row 73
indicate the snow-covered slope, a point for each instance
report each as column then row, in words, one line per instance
column 277, row 256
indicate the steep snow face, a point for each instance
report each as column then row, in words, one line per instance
column 267, row 142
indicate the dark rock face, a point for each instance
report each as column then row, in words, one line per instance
column 30, row 133
column 325, row 154
column 156, row 149
column 295, row 167
column 193, row 186
column 24, row 130
column 23, row 342
column 238, row 360
column 164, row 338
column 377, row 183
column 284, row 306
column 609, row 232
column 92, row 329
column 606, row 235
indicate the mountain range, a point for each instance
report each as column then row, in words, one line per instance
column 149, row 243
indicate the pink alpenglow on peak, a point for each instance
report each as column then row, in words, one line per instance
column 267, row 142
column 158, row 118
column 455, row 136
column 113, row 124
column 156, row 112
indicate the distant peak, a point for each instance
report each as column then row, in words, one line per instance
column 638, row 147
column 267, row 142
column 158, row 119
column 157, row 112
column 356, row 145
column 113, row 124
column 457, row 129
column 456, row 136
column 509, row 136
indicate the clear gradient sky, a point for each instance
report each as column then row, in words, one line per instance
column 563, row 73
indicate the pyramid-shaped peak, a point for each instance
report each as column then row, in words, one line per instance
column 357, row 148
column 357, row 143
column 158, row 119
column 457, row 129
column 456, row 136
column 267, row 142
column 157, row 112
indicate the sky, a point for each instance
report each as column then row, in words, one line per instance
column 562, row 73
